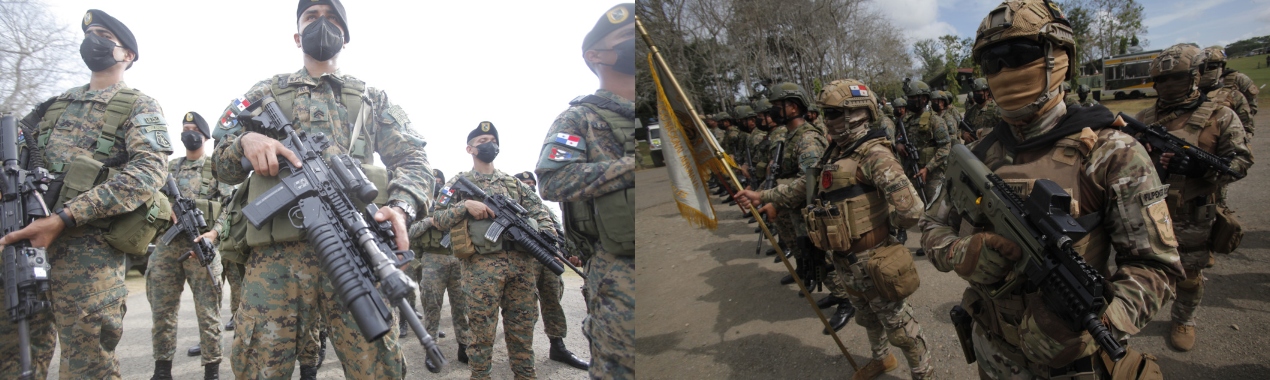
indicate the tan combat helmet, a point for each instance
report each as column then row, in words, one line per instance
column 849, row 94
column 1180, row 58
column 1040, row 21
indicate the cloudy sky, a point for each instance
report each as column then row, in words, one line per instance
column 1210, row 22
column 450, row 65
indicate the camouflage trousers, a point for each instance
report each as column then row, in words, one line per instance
column 165, row 280
column 550, row 292
column 790, row 225
column 233, row 276
column 610, row 323
column 86, row 287
column 1190, row 291
column 43, row 339
column 507, row 281
column 287, row 299
column 1000, row 361
column 888, row 323
column 442, row 274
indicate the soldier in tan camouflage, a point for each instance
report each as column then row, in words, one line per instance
column 860, row 169
column 121, row 128
column 166, row 275
column 983, row 115
column 1115, row 191
column 1193, row 189
column 588, row 164
column 1242, row 83
column 1215, row 88
column 288, row 297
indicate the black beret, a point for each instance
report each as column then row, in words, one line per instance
column 439, row 175
column 196, row 119
column 335, row 5
column 613, row 19
column 121, row 31
column 525, row 176
column 485, row 128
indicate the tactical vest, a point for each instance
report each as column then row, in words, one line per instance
column 1064, row 163
column 131, row 232
column 207, row 185
column 789, row 156
column 846, row 213
column 476, row 229
column 1191, row 202
column 608, row 218
column 927, row 133
column 281, row 229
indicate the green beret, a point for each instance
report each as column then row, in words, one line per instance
column 121, row 31
column 485, row 128
column 196, row 119
column 335, row 5
column 613, row 19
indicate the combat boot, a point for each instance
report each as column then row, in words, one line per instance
column 402, row 328
column 194, row 351
column 829, row 301
column 1182, row 337
column 921, row 252
column 788, row 279
column 229, row 326
column 561, row 354
column 840, row 317
column 162, row 370
column 308, row 373
column 463, row 353
column 211, row 371
column 876, row 368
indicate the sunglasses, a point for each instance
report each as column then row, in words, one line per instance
column 833, row 113
column 1171, row 77
column 1009, row 54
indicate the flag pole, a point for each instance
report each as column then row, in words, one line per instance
column 717, row 150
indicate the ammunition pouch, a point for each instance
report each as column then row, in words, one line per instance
column 460, row 241
column 277, row 230
column 893, row 273
column 430, row 241
column 926, row 153
column 577, row 218
column 1135, row 365
column 210, row 208
column 131, row 232
column 615, row 222
column 1228, row 231
column 233, row 243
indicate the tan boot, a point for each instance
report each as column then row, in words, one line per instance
column 876, row 368
column 1182, row 337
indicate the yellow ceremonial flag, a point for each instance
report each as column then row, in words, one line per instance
column 690, row 157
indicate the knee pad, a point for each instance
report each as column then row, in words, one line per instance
column 1191, row 283
column 898, row 338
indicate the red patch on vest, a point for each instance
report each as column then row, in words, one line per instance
column 826, row 178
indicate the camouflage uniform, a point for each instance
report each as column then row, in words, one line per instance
column 760, row 158
column 952, row 120
column 885, row 320
column 87, row 273
column 281, row 306
column 439, row 272
column 603, row 167
column 983, row 117
column 232, row 272
column 929, row 134
column 505, row 280
column 1241, row 82
column 1237, row 102
column 166, row 277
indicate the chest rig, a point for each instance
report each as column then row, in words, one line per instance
column 845, row 213
column 608, row 218
column 207, row 186
column 1193, row 200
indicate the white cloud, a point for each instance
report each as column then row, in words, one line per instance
column 919, row 19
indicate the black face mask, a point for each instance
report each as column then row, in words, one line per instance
column 915, row 106
column 98, row 52
column 322, row 39
column 625, row 63
column 777, row 114
column 979, row 98
column 193, row 140
column 487, row 152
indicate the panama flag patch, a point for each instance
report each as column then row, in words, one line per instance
column 446, row 192
column 241, row 104
column 568, row 139
column 859, row 90
column 558, row 154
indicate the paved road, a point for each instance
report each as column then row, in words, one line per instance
column 710, row 308
column 135, row 350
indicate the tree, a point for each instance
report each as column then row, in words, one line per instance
column 36, row 55
column 1103, row 27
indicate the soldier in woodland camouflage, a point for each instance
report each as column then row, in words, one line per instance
column 929, row 134
column 439, row 273
column 1082, row 92
column 588, row 164
column 1193, row 190
column 86, row 281
column 983, row 114
column 1115, row 191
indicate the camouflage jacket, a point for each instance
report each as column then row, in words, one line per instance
column 1236, row 101
column 930, row 137
column 729, row 141
column 144, row 140
column 879, row 168
column 1146, row 261
column 597, row 165
column 318, row 109
column 189, row 179
column 802, row 151
column 1243, row 83
column 1221, row 134
column 952, row 119
column 983, row 117
column 887, row 124
column 759, row 157
column 451, row 208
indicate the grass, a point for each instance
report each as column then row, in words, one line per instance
column 1254, row 67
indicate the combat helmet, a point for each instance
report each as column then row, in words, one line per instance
column 1216, row 54
column 743, row 112
column 790, row 90
column 721, row 116
column 980, row 84
column 1067, row 87
column 916, row 87
column 899, row 103
column 1180, row 58
column 849, row 94
column 762, row 105
column 1082, row 89
column 1039, row 21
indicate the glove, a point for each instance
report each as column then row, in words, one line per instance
column 1047, row 338
column 983, row 258
column 811, row 266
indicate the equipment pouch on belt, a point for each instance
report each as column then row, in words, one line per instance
column 616, row 221
column 964, row 324
column 233, row 244
column 893, row 273
column 1228, row 232
column 1135, row 365
column 577, row 216
column 460, row 242
column 814, row 229
column 131, row 232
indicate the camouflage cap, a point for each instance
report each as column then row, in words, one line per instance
column 849, row 94
column 790, row 90
column 1178, row 58
column 1036, row 20
column 744, row 112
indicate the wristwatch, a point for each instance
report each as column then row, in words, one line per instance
column 66, row 218
column 406, row 209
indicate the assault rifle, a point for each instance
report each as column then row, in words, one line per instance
column 1043, row 227
column 1159, row 138
column 190, row 220
column 911, row 158
column 510, row 217
column 968, row 130
column 25, row 267
column 768, row 183
column 353, row 248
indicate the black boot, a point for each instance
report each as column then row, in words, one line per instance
column 229, row 326
column 162, row 370
column 308, row 373
column 211, row 371
column 194, row 351
column 440, row 334
column 561, row 354
column 462, row 353
column 921, row 252
column 403, row 327
column 321, row 352
column 771, row 252
column 829, row 301
column 788, row 279
column 840, row 318
column 752, row 220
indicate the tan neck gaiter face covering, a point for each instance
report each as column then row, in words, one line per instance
column 1017, row 90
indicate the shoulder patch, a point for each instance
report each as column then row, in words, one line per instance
column 149, row 118
column 445, row 195
column 570, row 140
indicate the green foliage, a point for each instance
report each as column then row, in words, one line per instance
column 1241, row 47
